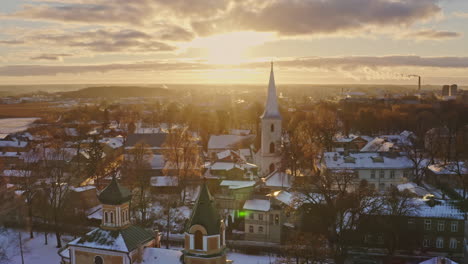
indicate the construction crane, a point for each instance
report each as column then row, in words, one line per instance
column 419, row 80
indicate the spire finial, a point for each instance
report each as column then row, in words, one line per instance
column 271, row 65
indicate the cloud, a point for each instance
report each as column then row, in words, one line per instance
column 461, row 14
column 433, row 34
column 297, row 17
column 103, row 40
column 208, row 17
column 339, row 64
column 11, row 42
column 51, row 57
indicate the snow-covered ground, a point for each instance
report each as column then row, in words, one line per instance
column 13, row 125
column 35, row 252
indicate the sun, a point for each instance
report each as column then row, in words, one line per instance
column 230, row 48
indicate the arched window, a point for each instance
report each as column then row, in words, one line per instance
column 98, row 260
column 112, row 217
column 198, row 240
column 272, row 147
column 272, row 168
column 272, row 128
column 106, row 217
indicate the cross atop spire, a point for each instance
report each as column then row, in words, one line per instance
column 271, row 106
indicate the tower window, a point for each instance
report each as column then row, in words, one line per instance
column 98, row 260
column 272, row 147
column 198, row 240
column 106, row 217
column 272, row 128
column 112, row 217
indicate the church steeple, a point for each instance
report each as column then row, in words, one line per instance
column 205, row 240
column 271, row 106
column 271, row 130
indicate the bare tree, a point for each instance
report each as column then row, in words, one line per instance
column 182, row 157
column 135, row 169
column 340, row 200
column 57, row 163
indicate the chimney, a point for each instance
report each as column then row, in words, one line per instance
column 419, row 83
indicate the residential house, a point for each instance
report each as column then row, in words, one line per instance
column 380, row 170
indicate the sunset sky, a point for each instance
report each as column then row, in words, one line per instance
column 232, row 41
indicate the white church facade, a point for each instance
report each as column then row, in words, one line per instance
column 268, row 157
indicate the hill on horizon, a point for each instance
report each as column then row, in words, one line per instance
column 116, row 92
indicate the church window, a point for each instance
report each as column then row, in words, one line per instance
column 106, row 217
column 272, row 128
column 276, row 219
column 112, row 217
column 272, row 168
column 98, row 260
column 198, row 240
column 272, row 147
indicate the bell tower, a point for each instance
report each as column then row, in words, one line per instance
column 205, row 240
column 271, row 131
column 115, row 201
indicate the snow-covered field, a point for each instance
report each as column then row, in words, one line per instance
column 13, row 125
column 35, row 252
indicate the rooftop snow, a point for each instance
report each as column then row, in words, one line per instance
column 450, row 168
column 237, row 184
column 278, row 179
column 160, row 256
column 160, row 181
column 257, row 205
column 227, row 141
column 366, row 161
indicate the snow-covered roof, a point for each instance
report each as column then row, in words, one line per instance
column 443, row 210
column 237, row 184
column 349, row 138
column 227, row 141
column 82, row 188
column 278, row 179
column 123, row 240
column 13, row 154
column 114, row 142
column 257, row 205
column 438, row 260
column 16, row 173
column 378, row 145
column 95, row 212
column 450, row 168
column 414, row 188
column 364, row 160
column 160, row 256
column 13, row 144
column 160, row 181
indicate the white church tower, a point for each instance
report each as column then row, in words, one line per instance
column 271, row 131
